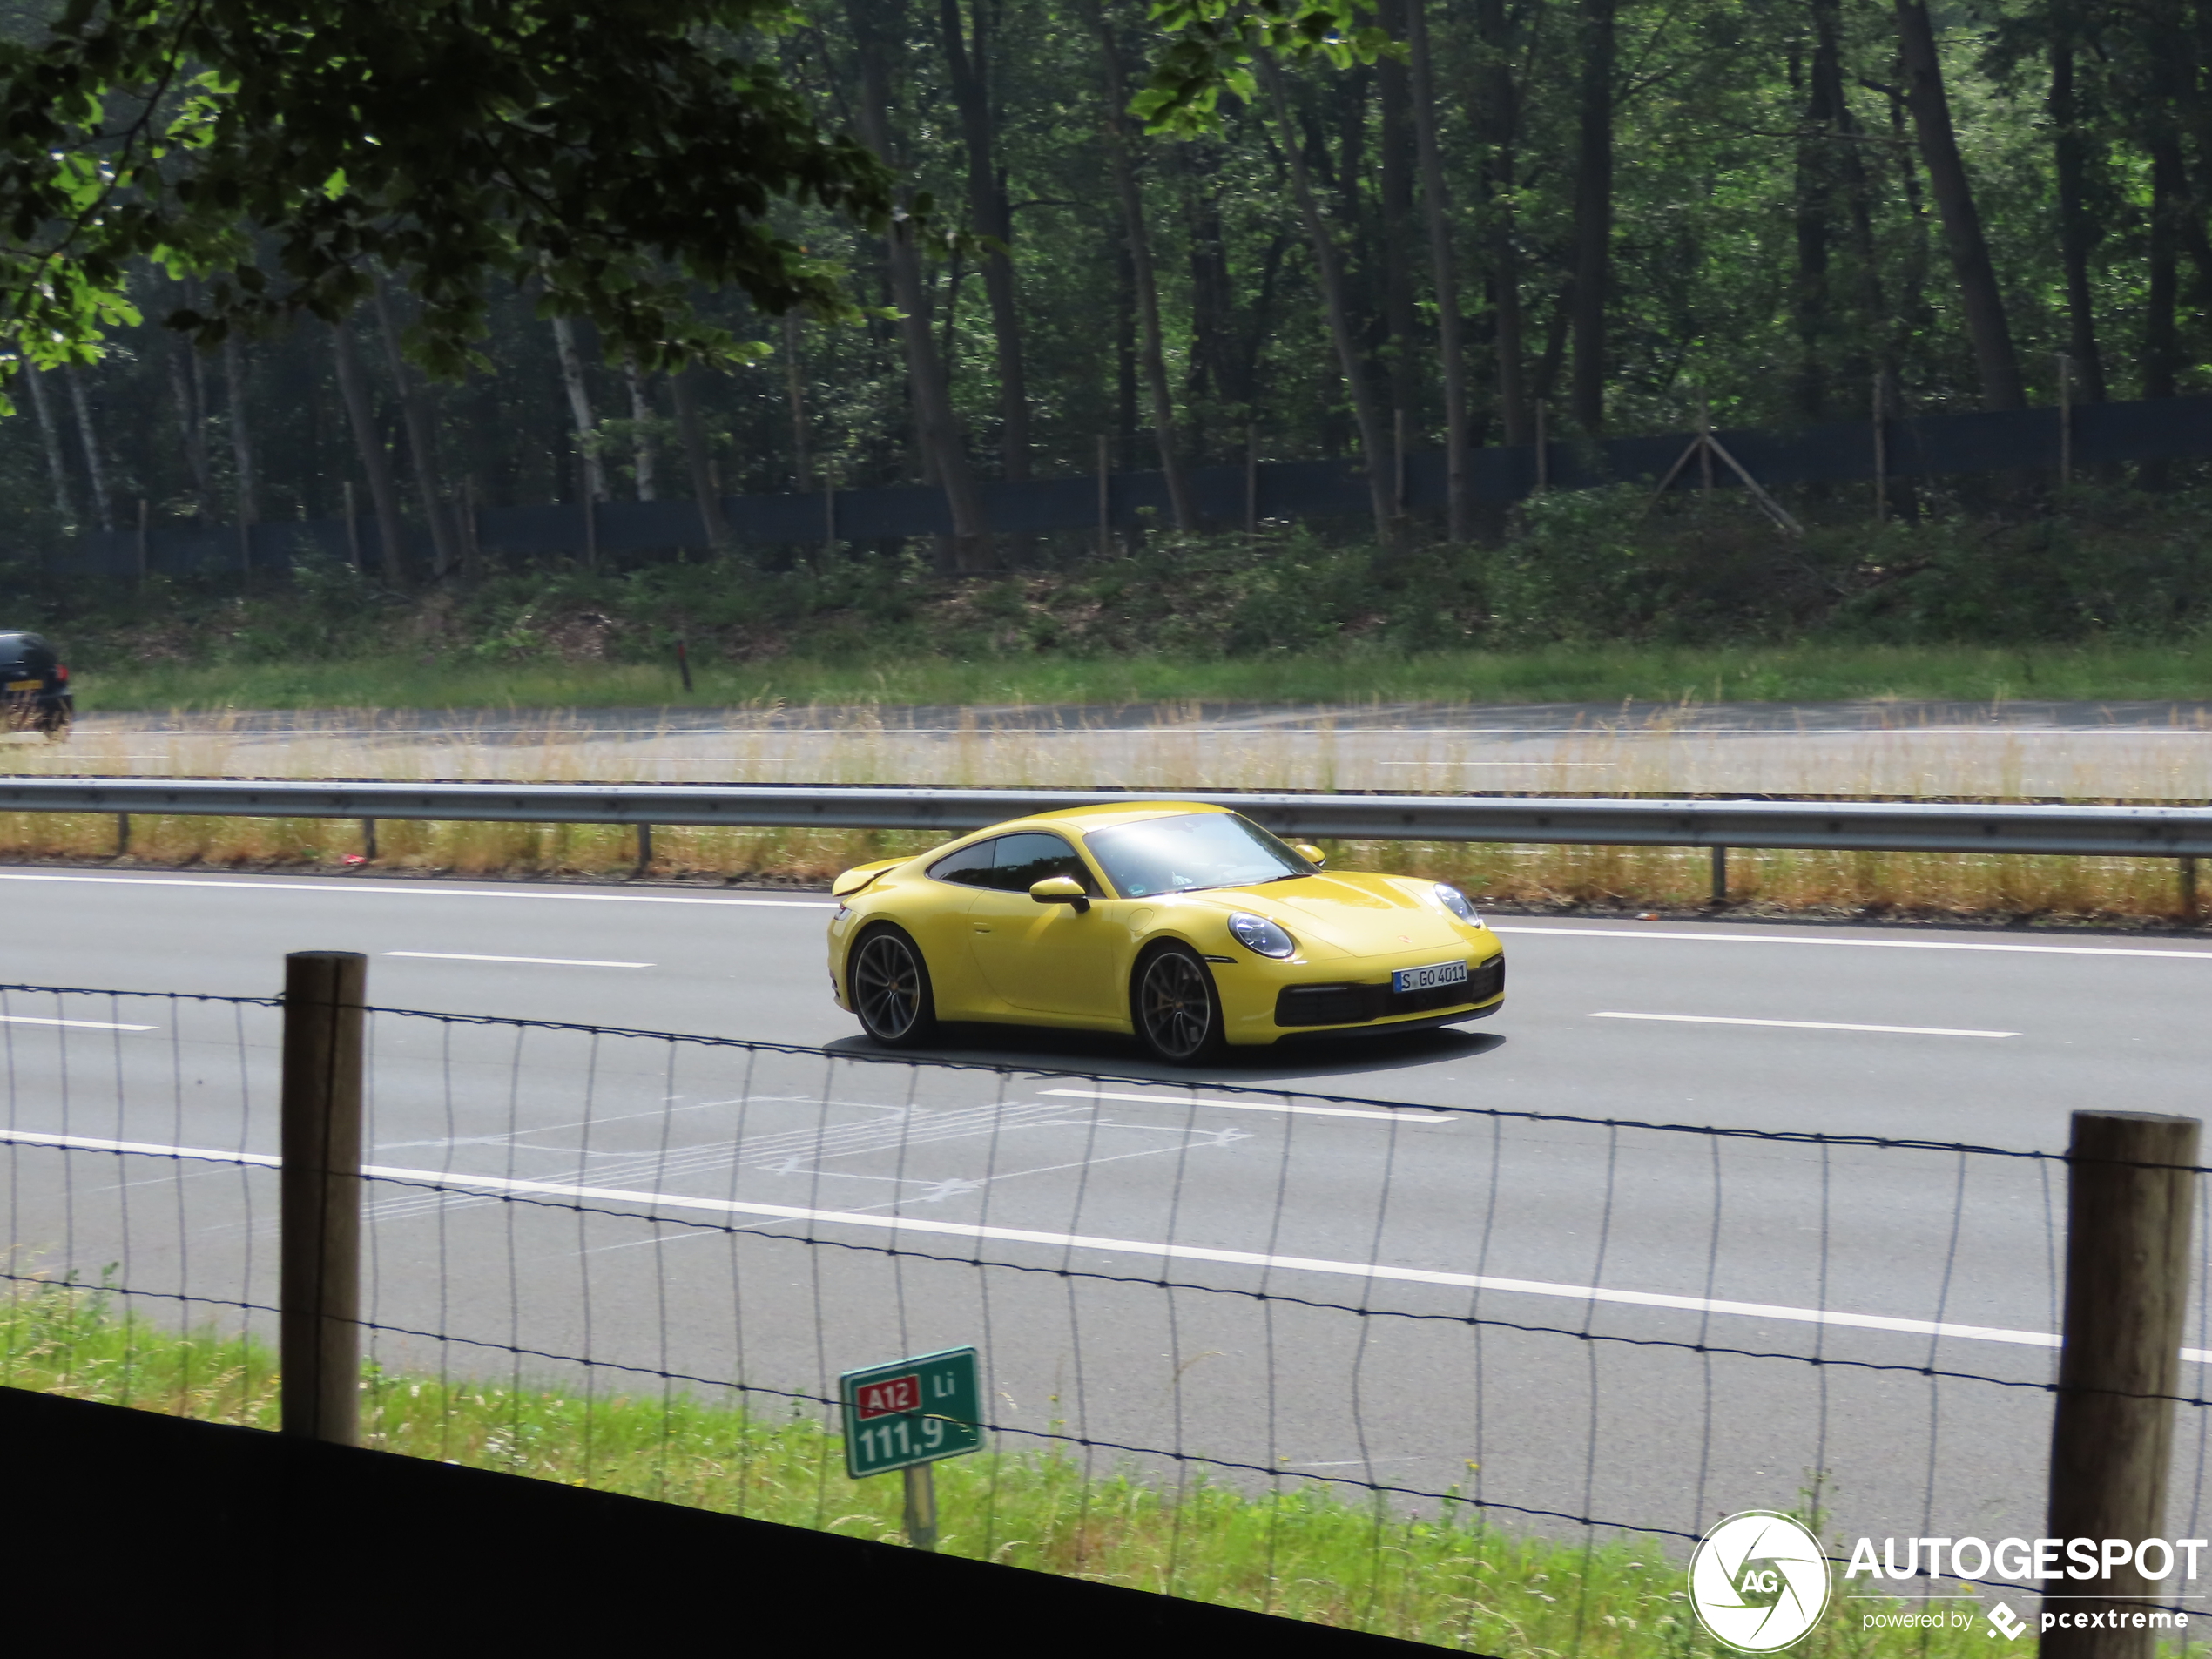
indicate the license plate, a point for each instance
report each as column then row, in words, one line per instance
column 1424, row 979
column 26, row 685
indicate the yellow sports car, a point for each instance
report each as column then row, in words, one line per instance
column 1189, row 927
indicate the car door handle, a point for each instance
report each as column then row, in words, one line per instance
column 981, row 928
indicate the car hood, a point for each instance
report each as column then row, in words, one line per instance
column 1356, row 914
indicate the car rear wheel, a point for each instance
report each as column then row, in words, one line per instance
column 889, row 985
column 1177, row 1014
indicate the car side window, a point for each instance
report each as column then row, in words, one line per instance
column 1025, row 860
column 971, row 865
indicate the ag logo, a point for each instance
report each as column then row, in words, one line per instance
column 1759, row 1581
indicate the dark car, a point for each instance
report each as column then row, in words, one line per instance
column 34, row 687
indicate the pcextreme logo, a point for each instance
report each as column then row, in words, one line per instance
column 1759, row 1581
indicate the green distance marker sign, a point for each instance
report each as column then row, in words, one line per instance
column 910, row 1412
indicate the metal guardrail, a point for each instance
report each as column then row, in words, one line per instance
column 1889, row 826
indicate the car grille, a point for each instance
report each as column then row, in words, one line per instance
column 1355, row 1004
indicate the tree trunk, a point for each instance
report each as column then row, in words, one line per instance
column 802, row 466
column 88, row 434
column 57, row 468
column 1810, row 307
column 2168, row 195
column 988, row 212
column 2077, row 234
column 189, row 391
column 1458, row 439
column 1495, row 119
column 248, row 486
column 383, row 494
column 1870, row 349
column 683, row 389
column 1398, row 165
column 1381, row 492
column 1144, row 282
column 937, row 428
column 1978, row 292
column 1593, row 216
column 445, row 542
column 579, row 391
column 641, row 421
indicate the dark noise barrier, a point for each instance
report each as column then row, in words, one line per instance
column 2044, row 441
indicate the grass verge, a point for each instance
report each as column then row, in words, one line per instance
column 1603, row 673
column 1303, row 1552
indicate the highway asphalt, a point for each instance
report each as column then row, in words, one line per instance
column 1597, row 1259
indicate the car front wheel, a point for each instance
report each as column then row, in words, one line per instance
column 889, row 985
column 1177, row 1014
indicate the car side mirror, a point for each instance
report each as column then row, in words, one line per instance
column 1061, row 889
column 1313, row 855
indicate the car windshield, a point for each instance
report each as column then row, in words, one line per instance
column 1197, row 850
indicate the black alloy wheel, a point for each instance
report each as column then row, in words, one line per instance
column 1178, row 1017
column 890, row 989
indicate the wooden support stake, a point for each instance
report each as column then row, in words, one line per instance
column 318, row 1324
column 352, row 529
column 2066, row 421
column 1881, row 454
column 1398, row 473
column 1105, row 497
column 1251, row 480
column 1720, row 875
column 2131, row 1195
column 590, row 519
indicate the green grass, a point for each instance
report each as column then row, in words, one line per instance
column 1551, row 674
column 1307, row 1552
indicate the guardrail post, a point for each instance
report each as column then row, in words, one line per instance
column 2191, row 909
column 2131, row 1194
column 1720, row 875
column 319, row 1333
column 122, row 834
column 369, row 839
column 645, row 849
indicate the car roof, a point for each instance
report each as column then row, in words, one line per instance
column 1113, row 814
column 1107, row 815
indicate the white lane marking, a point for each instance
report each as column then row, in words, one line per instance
column 1865, row 944
column 1249, row 1105
column 78, row 1025
column 533, row 961
column 1113, row 1246
column 1809, row 1025
column 1534, row 760
column 427, row 890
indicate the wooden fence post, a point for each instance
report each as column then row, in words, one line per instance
column 2131, row 1196
column 319, row 1328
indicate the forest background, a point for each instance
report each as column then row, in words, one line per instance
column 1608, row 214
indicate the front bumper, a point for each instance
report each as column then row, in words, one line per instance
column 1357, row 1004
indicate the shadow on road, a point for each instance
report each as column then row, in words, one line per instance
column 1332, row 1066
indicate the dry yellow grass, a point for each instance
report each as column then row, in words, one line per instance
column 1665, row 755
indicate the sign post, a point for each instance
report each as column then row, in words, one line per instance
column 905, row 1416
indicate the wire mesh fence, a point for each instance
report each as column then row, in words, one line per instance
column 1472, row 1374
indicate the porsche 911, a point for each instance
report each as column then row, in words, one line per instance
column 1185, row 926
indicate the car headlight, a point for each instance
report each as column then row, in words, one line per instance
column 1258, row 934
column 1455, row 901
